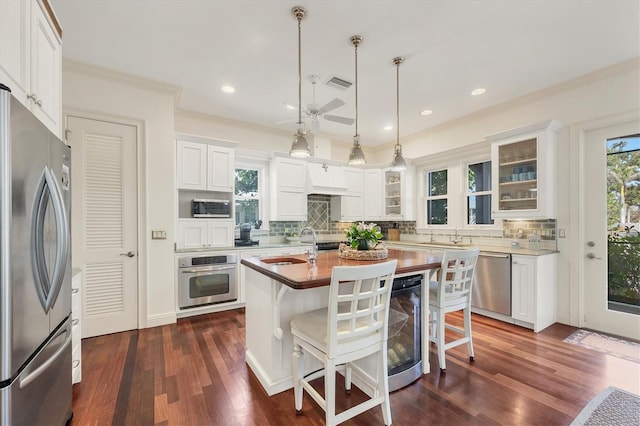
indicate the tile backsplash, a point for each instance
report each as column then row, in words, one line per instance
column 319, row 218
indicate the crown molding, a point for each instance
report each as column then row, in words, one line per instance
column 69, row 65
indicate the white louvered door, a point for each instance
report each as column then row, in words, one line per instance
column 104, row 223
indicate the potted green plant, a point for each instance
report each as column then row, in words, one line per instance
column 362, row 236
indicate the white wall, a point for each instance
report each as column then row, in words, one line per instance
column 110, row 96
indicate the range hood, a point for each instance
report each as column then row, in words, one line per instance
column 325, row 179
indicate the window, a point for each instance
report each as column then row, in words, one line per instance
column 479, row 194
column 248, row 195
column 436, row 197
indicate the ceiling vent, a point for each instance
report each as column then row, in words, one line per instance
column 338, row 83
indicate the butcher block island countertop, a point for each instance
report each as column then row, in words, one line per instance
column 278, row 288
column 300, row 276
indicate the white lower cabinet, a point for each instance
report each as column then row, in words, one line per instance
column 533, row 290
column 76, row 336
column 204, row 233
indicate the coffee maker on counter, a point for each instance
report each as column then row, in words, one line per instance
column 245, row 236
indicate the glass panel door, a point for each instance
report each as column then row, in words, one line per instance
column 610, row 257
column 623, row 223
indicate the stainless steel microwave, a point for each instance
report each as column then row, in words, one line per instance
column 210, row 208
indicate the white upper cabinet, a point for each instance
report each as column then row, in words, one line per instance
column 351, row 205
column 31, row 59
column 288, row 180
column 203, row 167
column 373, row 184
column 220, row 167
column 524, row 171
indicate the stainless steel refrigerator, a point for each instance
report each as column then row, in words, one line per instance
column 35, row 270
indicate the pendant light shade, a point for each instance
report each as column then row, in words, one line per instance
column 356, row 156
column 299, row 146
column 398, row 162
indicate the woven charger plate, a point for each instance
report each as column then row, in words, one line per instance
column 378, row 253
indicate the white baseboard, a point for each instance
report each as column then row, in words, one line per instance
column 270, row 386
column 564, row 318
column 161, row 319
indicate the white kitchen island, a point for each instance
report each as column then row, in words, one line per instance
column 276, row 292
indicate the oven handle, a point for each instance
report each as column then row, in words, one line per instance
column 213, row 269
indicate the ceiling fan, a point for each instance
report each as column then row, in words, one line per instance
column 314, row 112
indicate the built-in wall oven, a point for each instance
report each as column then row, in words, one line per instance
column 203, row 280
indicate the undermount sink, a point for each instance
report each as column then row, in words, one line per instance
column 281, row 261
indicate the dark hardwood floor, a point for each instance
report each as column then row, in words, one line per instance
column 194, row 373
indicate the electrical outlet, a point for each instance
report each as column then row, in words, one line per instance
column 561, row 233
column 158, row 235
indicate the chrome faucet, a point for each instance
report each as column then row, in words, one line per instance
column 313, row 253
column 454, row 238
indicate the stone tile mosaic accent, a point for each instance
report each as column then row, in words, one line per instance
column 318, row 212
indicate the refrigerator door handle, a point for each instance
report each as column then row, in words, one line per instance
column 47, row 189
column 62, row 243
column 38, row 264
column 24, row 382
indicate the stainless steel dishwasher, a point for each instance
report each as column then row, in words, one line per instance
column 492, row 288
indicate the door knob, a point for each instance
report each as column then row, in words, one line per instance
column 591, row 244
column 592, row 256
column 129, row 254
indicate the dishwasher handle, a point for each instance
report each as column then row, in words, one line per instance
column 498, row 255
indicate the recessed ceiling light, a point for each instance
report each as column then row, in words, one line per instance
column 388, row 127
column 478, row 91
column 426, row 112
column 228, row 89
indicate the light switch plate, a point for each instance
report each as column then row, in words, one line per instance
column 158, row 235
column 561, row 233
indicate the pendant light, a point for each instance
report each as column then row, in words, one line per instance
column 398, row 162
column 299, row 146
column 356, row 156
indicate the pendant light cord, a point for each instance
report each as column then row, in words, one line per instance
column 299, row 72
column 397, row 105
column 356, row 45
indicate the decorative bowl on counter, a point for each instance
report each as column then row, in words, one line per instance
column 292, row 239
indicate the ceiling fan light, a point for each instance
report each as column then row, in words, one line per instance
column 300, row 146
column 356, row 156
column 315, row 125
column 398, row 162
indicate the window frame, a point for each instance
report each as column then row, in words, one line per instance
column 467, row 193
column 426, row 197
column 262, row 197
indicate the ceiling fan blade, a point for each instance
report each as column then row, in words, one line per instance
column 336, row 103
column 338, row 119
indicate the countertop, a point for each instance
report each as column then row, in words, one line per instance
column 243, row 248
column 305, row 275
column 483, row 248
column 435, row 246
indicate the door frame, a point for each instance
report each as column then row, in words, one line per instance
column 577, row 145
column 141, row 183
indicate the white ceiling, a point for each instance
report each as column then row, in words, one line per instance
column 511, row 48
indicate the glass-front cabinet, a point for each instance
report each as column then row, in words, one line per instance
column 397, row 188
column 524, row 171
column 392, row 193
